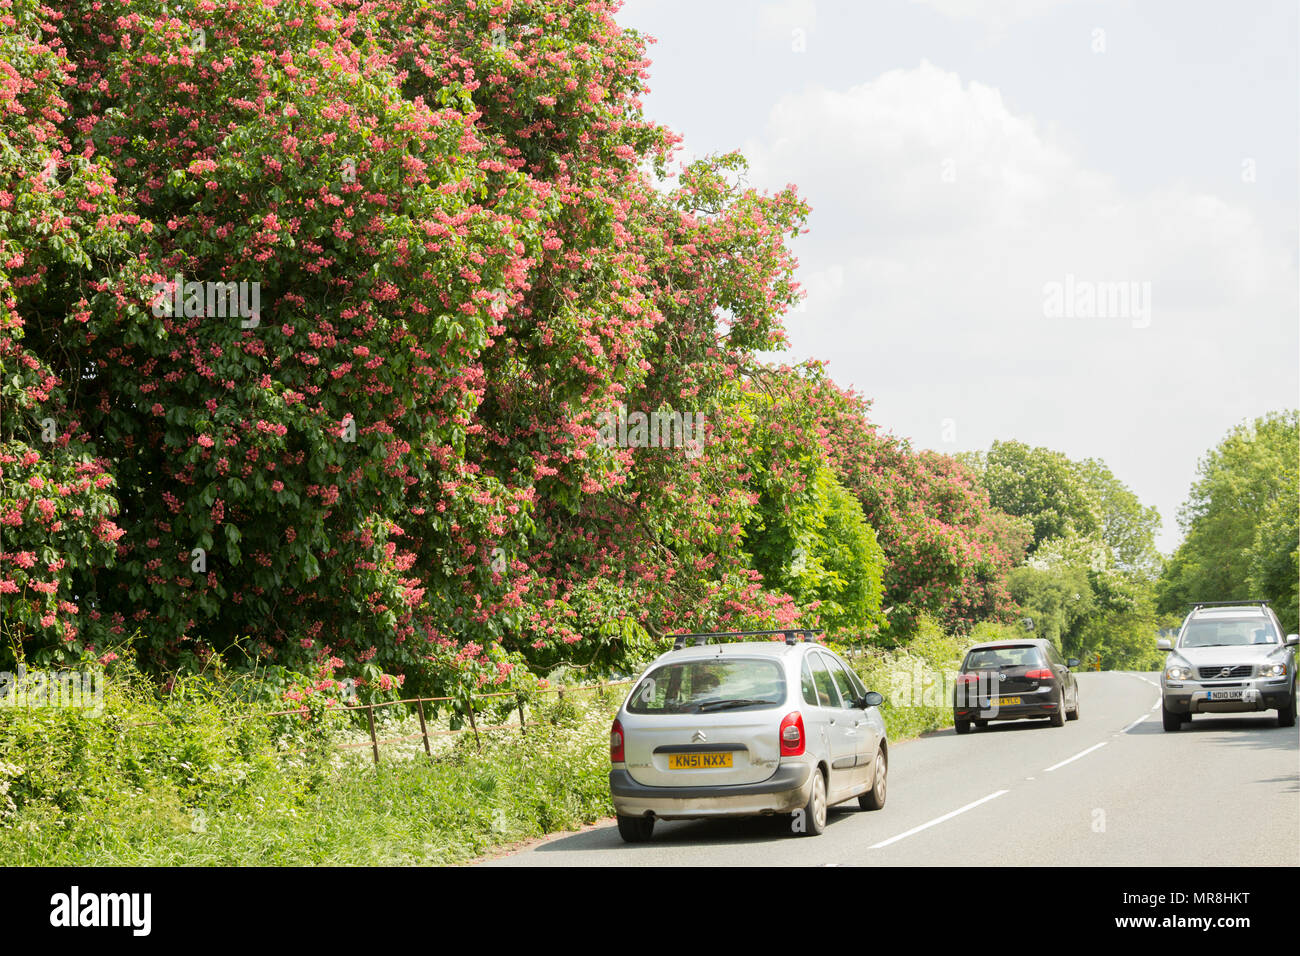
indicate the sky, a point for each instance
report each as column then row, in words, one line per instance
column 1073, row 223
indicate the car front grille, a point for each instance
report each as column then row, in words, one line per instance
column 1223, row 673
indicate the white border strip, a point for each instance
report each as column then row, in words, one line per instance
column 937, row 820
column 1135, row 723
column 1081, row 753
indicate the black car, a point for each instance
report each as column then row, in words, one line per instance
column 1014, row 680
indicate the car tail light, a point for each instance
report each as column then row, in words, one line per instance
column 792, row 739
column 968, row 678
column 1040, row 674
column 616, row 743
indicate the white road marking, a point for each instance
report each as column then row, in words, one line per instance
column 1135, row 723
column 937, row 820
column 1156, row 705
column 1147, row 680
column 1081, row 753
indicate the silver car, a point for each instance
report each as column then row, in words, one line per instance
column 743, row 728
column 1230, row 657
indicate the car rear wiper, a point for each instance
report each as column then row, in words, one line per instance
column 733, row 702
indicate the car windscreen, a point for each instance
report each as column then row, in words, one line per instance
column 1228, row 632
column 1000, row 657
column 707, row 686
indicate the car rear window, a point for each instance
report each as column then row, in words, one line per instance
column 1229, row 632
column 702, row 686
column 991, row 657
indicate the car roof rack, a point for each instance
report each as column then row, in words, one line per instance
column 1196, row 604
column 793, row 635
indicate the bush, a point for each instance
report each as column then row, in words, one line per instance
column 80, row 786
column 916, row 680
column 201, row 776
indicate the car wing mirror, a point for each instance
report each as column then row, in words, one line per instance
column 1164, row 644
column 872, row 699
column 1293, row 639
column 1072, row 662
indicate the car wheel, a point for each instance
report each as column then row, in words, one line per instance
column 961, row 726
column 814, row 811
column 636, row 829
column 1058, row 718
column 874, row 799
column 1171, row 720
column 1074, row 714
column 1286, row 715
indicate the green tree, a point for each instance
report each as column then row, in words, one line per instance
column 1273, row 557
column 1238, row 520
column 1038, row 484
column 1128, row 527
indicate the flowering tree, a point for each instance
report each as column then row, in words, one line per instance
column 369, row 279
column 947, row 551
column 330, row 303
column 57, row 503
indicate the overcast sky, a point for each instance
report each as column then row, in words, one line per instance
column 972, row 166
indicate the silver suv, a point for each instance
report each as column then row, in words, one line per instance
column 1230, row 657
column 736, row 729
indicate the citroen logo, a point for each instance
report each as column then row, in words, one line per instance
column 699, row 737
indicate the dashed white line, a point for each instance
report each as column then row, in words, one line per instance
column 1081, row 753
column 1135, row 723
column 938, row 820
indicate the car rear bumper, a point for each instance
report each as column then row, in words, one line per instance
column 1033, row 704
column 1191, row 697
column 785, row 791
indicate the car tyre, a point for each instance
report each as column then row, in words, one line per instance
column 1074, row 714
column 1058, row 718
column 961, row 726
column 814, row 811
column 874, row 799
column 636, row 829
column 1286, row 715
column 1172, row 721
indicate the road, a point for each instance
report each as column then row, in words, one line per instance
column 1111, row 789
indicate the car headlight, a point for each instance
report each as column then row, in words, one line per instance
column 1272, row 670
column 1178, row 672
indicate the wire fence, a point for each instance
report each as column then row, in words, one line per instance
column 425, row 734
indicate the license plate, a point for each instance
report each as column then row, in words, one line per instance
column 1005, row 701
column 1223, row 695
column 698, row 761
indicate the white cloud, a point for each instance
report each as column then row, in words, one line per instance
column 938, row 217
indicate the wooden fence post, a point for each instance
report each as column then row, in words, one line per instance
column 523, row 727
column 374, row 740
column 473, row 726
column 424, row 730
